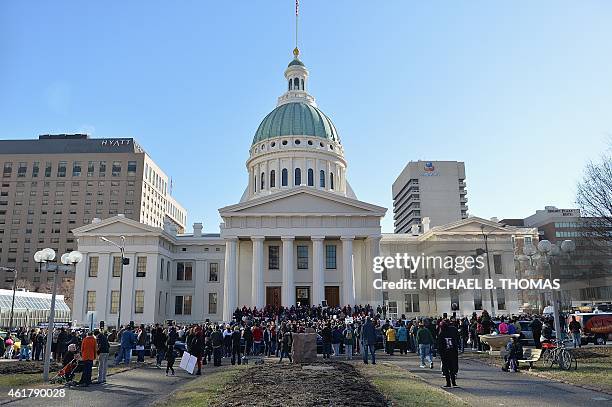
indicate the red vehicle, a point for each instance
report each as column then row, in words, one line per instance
column 596, row 327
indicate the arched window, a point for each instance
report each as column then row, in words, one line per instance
column 255, row 183
column 322, row 179
column 263, row 181
column 272, row 179
column 302, row 83
column 310, row 177
column 296, row 84
column 331, row 180
column 298, row 176
column 289, row 84
column 284, row 177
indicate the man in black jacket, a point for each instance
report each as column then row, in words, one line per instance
column 103, row 350
column 236, row 335
column 448, row 340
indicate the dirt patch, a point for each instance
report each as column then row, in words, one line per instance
column 16, row 367
column 291, row 385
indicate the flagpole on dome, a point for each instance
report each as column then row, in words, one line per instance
column 296, row 51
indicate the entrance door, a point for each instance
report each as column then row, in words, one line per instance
column 332, row 296
column 302, row 295
column 273, row 296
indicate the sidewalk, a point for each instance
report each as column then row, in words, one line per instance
column 141, row 386
column 484, row 385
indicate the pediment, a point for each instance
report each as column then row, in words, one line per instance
column 303, row 201
column 470, row 226
column 116, row 226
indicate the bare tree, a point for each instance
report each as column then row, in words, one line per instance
column 23, row 283
column 594, row 196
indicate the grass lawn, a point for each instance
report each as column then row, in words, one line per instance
column 404, row 388
column 204, row 390
column 20, row 380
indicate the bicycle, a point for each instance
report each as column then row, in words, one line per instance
column 556, row 352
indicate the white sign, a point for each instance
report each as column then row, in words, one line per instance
column 348, row 320
column 188, row 362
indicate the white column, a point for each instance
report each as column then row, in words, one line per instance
column 348, row 276
column 374, row 246
column 288, row 291
column 318, row 270
column 257, row 292
column 230, row 296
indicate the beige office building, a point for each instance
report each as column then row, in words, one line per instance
column 429, row 189
column 57, row 183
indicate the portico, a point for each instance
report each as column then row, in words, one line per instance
column 274, row 247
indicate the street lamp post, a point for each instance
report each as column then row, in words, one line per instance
column 121, row 248
column 486, row 240
column 47, row 256
column 550, row 253
column 13, row 300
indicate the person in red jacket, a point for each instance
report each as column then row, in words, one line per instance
column 89, row 348
column 257, row 338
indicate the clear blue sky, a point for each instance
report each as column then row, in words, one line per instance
column 520, row 91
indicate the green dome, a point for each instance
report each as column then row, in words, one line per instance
column 296, row 119
column 295, row 62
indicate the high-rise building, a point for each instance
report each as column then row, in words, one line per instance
column 433, row 189
column 56, row 183
column 586, row 274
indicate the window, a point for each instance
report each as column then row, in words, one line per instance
column 161, row 270
column 184, row 271
column 8, row 170
column 273, row 263
column 93, row 267
column 392, row 307
column 141, row 266
column 454, row 300
column 139, row 301
column 477, row 300
column 187, row 305
column 296, row 84
column 475, row 269
column 302, row 257
column 330, row 256
column 131, row 169
column 497, row 263
column 35, row 169
column 284, row 176
column 178, row 305
column 212, row 303
column 102, row 171
column 528, row 240
column 117, row 266
column 213, row 272
column 331, row 180
column 451, row 269
column 47, row 169
column 310, row 177
column 90, row 168
column 411, row 303
column 501, row 298
column 91, row 301
column 61, row 168
column 322, row 179
column 76, row 168
column 116, row 168
column 22, row 169
column 272, row 179
column 298, row 177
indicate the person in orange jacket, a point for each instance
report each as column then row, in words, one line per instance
column 89, row 348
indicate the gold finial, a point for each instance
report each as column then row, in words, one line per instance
column 296, row 52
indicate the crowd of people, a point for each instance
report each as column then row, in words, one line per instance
column 343, row 332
